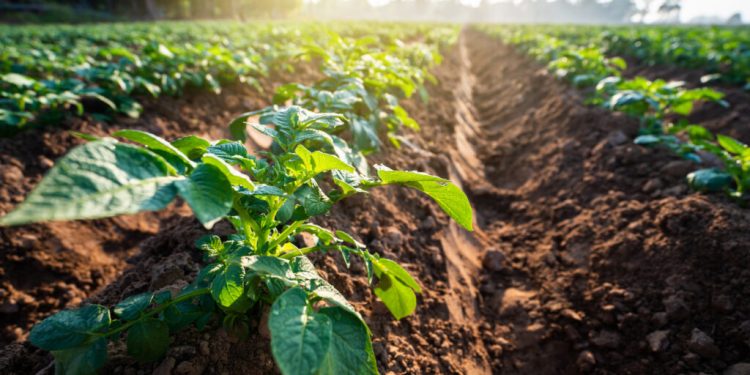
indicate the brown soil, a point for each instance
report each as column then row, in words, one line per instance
column 590, row 255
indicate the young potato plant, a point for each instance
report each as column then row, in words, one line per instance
column 734, row 179
column 365, row 82
column 269, row 198
column 654, row 102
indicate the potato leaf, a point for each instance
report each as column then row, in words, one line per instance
column 208, row 193
column 99, row 179
column 350, row 351
column 148, row 340
column 300, row 338
column 447, row 195
column 69, row 328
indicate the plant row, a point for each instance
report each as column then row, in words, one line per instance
column 270, row 198
column 662, row 107
column 49, row 72
column 723, row 53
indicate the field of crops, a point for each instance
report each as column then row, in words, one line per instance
column 308, row 198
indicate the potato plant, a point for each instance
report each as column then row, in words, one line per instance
column 269, row 198
column 49, row 72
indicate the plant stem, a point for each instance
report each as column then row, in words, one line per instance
column 305, row 251
column 284, row 234
column 158, row 309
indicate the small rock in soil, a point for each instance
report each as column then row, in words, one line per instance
column 678, row 168
column 428, row 223
column 9, row 307
column 586, row 361
column 702, row 344
column 187, row 368
column 660, row 319
column 393, row 238
column 166, row 366
column 617, row 138
column 571, row 314
column 692, row 359
column 652, row 185
column 723, row 303
column 676, row 307
column 658, row 340
column 11, row 174
column 494, row 261
column 204, row 348
column 46, row 162
column 738, row 369
column 607, row 339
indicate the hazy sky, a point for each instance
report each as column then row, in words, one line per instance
column 690, row 8
column 722, row 8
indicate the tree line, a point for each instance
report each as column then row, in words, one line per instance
column 543, row 11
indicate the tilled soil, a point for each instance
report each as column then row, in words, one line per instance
column 590, row 253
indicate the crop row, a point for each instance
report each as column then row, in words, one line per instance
column 269, row 198
column 662, row 107
column 49, row 72
column 723, row 53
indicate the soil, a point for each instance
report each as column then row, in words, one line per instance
column 590, row 254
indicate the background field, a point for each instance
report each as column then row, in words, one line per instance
column 607, row 168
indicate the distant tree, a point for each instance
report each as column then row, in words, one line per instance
column 735, row 19
column 669, row 11
column 272, row 8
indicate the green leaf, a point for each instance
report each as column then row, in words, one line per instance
column 180, row 315
column 228, row 285
column 647, row 140
column 148, row 340
column 300, row 338
column 397, row 296
column 69, row 328
column 154, row 143
column 192, row 146
column 19, row 80
column 732, row 145
column 228, row 150
column 394, row 269
column 83, row 360
column 350, row 351
column 312, row 200
column 328, row 293
column 318, row 162
column 234, row 176
column 709, row 180
column 447, row 195
column 208, row 193
column 99, row 179
column 131, row 307
column 267, row 265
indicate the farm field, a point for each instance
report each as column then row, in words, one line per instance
column 576, row 211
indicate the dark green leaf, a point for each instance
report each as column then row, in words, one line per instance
column 69, row 328
column 350, row 351
column 300, row 338
column 83, row 360
column 228, row 284
column 208, row 193
column 148, row 340
column 131, row 307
